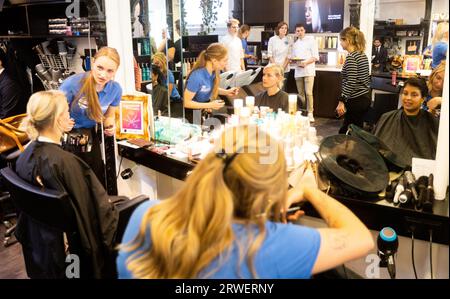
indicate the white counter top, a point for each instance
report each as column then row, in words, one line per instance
column 326, row 68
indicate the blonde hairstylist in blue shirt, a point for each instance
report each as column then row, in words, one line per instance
column 202, row 87
column 93, row 97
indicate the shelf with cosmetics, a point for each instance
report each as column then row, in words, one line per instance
column 51, row 18
column 401, row 39
column 331, row 53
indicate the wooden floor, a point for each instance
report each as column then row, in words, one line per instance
column 12, row 265
column 327, row 127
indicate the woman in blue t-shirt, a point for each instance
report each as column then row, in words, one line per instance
column 202, row 86
column 228, row 220
column 440, row 44
column 93, row 97
column 168, row 78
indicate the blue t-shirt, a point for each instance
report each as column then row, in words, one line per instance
column 427, row 48
column 109, row 96
column 244, row 46
column 175, row 94
column 425, row 102
column 439, row 53
column 288, row 251
column 201, row 83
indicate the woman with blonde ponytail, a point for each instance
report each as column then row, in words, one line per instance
column 202, row 86
column 45, row 164
column 355, row 98
column 93, row 97
column 227, row 221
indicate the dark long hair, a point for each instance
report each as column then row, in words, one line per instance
column 157, row 71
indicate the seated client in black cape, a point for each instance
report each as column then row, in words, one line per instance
column 410, row 131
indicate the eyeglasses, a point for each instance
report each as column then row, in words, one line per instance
column 235, row 27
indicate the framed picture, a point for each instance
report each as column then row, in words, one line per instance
column 132, row 117
column 411, row 64
column 412, row 47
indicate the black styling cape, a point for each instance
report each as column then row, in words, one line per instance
column 95, row 216
column 409, row 136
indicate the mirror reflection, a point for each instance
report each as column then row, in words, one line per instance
column 167, row 78
column 151, row 66
column 164, row 44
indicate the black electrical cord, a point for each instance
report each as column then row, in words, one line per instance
column 120, row 164
column 412, row 254
column 345, row 271
column 431, row 253
column 392, row 268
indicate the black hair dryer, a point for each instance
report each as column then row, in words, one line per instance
column 86, row 63
column 387, row 243
column 88, row 54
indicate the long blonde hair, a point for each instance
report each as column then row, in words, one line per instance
column 439, row 69
column 161, row 58
column 441, row 30
column 355, row 37
column 43, row 108
column 214, row 51
column 316, row 21
column 193, row 227
column 88, row 86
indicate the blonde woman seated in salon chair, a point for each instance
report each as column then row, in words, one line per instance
column 273, row 96
column 44, row 163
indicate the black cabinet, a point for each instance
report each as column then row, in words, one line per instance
column 327, row 90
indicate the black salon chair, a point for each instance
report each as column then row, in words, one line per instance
column 382, row 103
column 254, row 89
column 51, row 212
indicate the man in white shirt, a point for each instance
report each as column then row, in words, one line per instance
column 305, row 49
column 234, row 46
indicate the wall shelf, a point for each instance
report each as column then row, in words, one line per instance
column 393, row 30
column 32, row 19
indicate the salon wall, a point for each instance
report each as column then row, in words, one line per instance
column 411, row 11
column 158, row 19
column 119, row 36
column 439, row 6
column 176, row 16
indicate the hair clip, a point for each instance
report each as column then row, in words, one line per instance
column 222, row 155
column 226, row 158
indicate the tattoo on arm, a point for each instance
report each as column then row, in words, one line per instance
column 339, row 241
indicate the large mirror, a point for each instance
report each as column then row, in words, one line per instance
column 157, row 48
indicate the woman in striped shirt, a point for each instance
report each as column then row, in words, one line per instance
column 355, row 94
